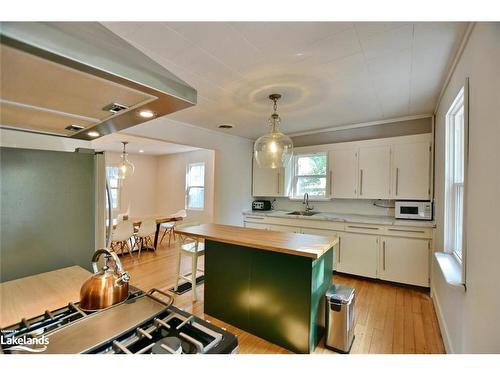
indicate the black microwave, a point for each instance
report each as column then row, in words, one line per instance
column 261, row 205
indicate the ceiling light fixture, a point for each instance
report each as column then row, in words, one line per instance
column 141, row 151
column 274, row 149
column 74, row 127
column 93, row 134
column 146, row 113
column 126, row 168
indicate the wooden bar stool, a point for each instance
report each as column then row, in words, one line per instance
column 194, row 248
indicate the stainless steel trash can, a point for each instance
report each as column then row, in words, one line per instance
column 339, row 319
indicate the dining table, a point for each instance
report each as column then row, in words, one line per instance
column 160, row 219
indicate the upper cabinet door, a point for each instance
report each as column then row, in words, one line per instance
column 343, row 165
column 374, row 172
column 267, row 182
column 411, row 170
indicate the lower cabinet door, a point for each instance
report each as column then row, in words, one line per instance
column 256, row 225
column 358, row 254
column 324, row 232
column 404, row 260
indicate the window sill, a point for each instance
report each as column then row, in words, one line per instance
column 451, row 269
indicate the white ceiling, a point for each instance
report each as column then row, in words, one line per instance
column 113, row 142
column 329, row 73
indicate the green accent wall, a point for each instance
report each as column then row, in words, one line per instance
column 47, row 211
column 278, row 297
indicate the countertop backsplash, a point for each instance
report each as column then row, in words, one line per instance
column 343, row 206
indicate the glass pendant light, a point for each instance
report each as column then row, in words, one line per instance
column 275, row 149
column 126, row 168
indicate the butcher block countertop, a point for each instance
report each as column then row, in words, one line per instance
column 306, row 245
column 30, row 296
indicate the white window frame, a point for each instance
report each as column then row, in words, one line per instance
column 189, row 187
column 115, row 210
column 454, row 188
column 296, row 176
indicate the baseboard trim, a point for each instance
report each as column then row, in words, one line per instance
column 442, row 323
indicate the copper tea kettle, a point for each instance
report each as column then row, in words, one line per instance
column 105, row 287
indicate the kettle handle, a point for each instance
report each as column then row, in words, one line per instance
column 112, row 254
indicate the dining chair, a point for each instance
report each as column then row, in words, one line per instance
column 193, row 248
column 144, row 233
column 121, row 237
column 169, row 226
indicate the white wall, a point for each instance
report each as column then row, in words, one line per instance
column 172, row 184
column 233, row 163
column 470, row 321
column 21, row 139
column 138, row 192
column 344, row 206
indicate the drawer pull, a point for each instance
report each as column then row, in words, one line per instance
column 255, row 217
column 406, row 230
column 360, row 227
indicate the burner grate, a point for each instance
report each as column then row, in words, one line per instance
column 45, row 323
column 194, row 337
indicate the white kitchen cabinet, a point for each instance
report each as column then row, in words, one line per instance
column 411, row 163
column 324, row 232
column 256, row 225
column 267, row 182
column 343, row 165
column 374, row 172
column 404, row 260
column 358, row 254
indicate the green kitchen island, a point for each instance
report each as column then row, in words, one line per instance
column 268, row 283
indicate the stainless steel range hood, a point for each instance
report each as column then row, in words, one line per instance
column 75, row 78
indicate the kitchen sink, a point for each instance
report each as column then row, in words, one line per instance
column 303, row 213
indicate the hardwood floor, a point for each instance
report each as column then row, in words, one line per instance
column 389, row 318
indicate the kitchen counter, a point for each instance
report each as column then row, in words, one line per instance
column 305, row 245
column 31, row 296
column 347, row 218
column 271, row 284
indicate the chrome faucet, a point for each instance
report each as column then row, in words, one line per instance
column 306, row 202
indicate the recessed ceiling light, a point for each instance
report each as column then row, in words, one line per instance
column 141, row 151
column 93, row 134
column 226, row 126
column 146, row 113
column 298, row 54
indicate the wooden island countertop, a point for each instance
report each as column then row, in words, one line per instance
column 31, row 296
column 306, row 245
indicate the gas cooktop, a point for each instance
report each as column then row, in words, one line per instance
column 142, row 324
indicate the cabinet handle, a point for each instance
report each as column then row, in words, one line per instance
column 255, row 217
column 360, row 182
column 340, row 238
column 360, row 227
column 397, row 181
column 383, row 255
column 406, row 230
column 278, row 183
column 331, row 183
